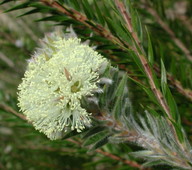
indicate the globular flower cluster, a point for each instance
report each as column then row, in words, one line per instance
column 59, row 74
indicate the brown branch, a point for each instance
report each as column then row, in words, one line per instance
column 112, row 156
column 155, row 90
column 11, row 110
column 143, row 59
column 187, row 122
column 128, row 20
column 176, row 84
column 176, row 40
column 83, row 19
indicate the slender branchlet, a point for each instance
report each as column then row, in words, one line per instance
column 151, row 136
column 142, row 58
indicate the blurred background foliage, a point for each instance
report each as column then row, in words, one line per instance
column 21, row 147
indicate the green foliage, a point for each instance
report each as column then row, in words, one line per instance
column 148, row 120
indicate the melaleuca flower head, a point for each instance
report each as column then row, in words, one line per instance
column 59, row 74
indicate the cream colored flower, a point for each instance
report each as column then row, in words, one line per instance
column 58, row 76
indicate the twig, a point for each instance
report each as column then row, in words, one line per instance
column 187, row 122
column 177, row 41
column 176, row 84
column 83, row 19
column 134, row 136
column 11, row 110
column 128, row 21
column 112, row 156
column 143, row 59
column 4, row 58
